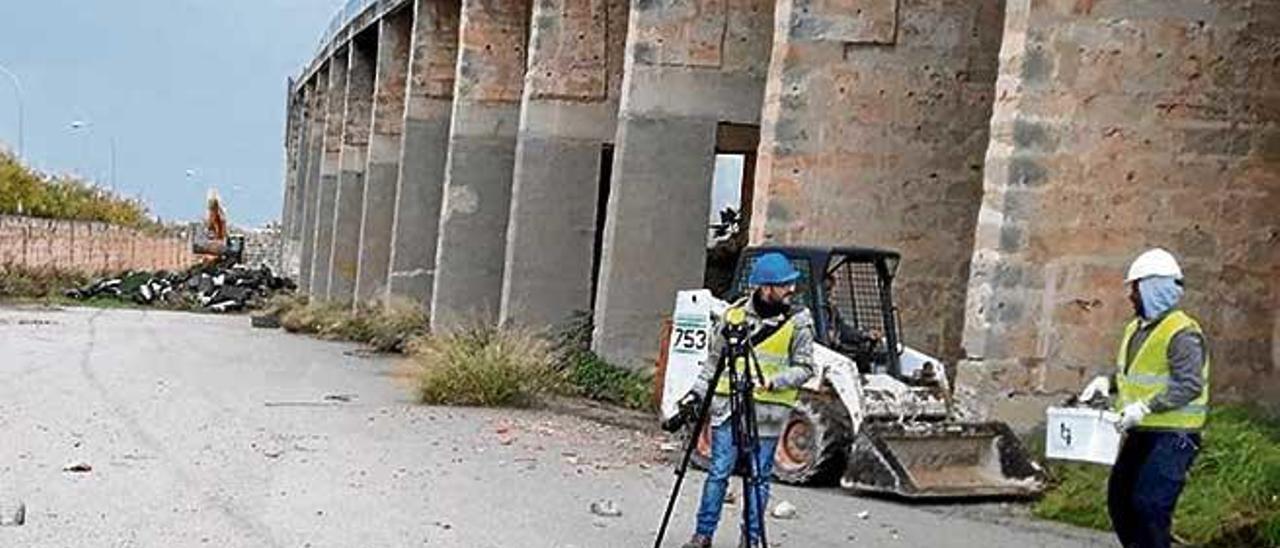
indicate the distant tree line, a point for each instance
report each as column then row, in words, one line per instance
column 25, row 191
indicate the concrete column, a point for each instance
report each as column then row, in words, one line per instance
column 383, row 169
column 349, row 201
column 291, row 217
column 329, row 168
column 875, row 126
column 482, row 142
column 1120, row 126
column 690, row 65
column 569, row 114
column 424, row 149
column 313, row 152
column 294, row 113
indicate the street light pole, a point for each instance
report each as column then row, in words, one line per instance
column 17, row 86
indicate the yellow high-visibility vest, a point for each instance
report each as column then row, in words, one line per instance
column 774, row 354
column 1148, row 374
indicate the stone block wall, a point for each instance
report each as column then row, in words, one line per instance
column 1119, row 126
column 875, row 127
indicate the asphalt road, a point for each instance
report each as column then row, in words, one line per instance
column 201, row 431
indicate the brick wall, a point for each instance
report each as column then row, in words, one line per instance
column 87, row 246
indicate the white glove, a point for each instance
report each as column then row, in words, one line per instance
column 1132, row 415
column 1099, row 385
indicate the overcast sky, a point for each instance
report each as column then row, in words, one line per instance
column 179, row 84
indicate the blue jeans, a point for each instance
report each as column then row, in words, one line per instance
column 724, row 456
column 1145, row 483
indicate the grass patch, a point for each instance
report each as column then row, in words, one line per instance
column 20, row 282
column 590, row 376
column 1232, row 498
column 485, row 366
column 387, row 328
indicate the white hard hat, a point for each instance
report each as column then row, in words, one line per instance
column 1154, row 262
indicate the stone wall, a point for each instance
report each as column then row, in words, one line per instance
column 1121, row 125
column 875, row 126
column 87, row 247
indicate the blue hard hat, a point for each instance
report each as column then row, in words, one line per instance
column 773, row 268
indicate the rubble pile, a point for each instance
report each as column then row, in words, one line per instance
column 218, row 287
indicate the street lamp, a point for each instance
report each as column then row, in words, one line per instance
column 77, row 125
column 17, row 86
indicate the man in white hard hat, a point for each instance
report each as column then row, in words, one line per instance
column 1162, row 395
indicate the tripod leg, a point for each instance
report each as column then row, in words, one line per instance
column 704, row 418
column 759, row 479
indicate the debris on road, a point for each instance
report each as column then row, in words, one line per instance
column 217, row 287
column 785, row 510
column 864, row 514
column 606, row 508
column 265, row 321
column 13, row 515
column 78, row 467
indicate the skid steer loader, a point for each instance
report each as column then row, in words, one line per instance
column 877, row 415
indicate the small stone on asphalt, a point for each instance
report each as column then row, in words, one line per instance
column 77, row 466
column 784, row 510
column 606, row 508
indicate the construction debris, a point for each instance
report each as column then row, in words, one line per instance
column 606, row 508
column 218, row 287
column 785, row 510
column 79, row 467
column 13, row 514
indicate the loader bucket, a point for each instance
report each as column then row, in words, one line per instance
column 943, row 460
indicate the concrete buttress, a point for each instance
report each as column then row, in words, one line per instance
column 690, row 66
column 327, row 192
column 383, row 169
column 424, row 149
column 482, row 142
column 349, row 201
column 568, row 117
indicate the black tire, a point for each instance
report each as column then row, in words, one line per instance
column 814, row 446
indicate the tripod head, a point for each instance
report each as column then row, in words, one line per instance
column 735, row 328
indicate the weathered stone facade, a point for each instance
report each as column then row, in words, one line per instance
column 875, row 128
column 1119, row 126
column 557, row 156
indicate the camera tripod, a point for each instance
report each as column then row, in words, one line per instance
column 742, row 419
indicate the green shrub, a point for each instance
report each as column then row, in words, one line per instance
column 590, row 376
column 386, row 328
column 1232, row 498
column 390, row 327
column 484, row 366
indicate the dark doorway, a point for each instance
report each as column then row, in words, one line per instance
column 732, row 191
column 602, row 212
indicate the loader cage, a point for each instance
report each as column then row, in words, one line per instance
column 860, row 295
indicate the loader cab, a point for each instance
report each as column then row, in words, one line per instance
column 849, row 291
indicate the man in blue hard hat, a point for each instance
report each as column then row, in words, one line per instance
column 782, row 336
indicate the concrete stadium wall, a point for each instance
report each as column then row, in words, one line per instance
column 87, row 246
column 1018, row 152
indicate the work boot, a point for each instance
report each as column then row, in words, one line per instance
column 698, row 541
column 744, row 543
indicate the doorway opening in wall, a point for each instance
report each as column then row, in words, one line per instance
column 602, row 210
column 732, row 187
